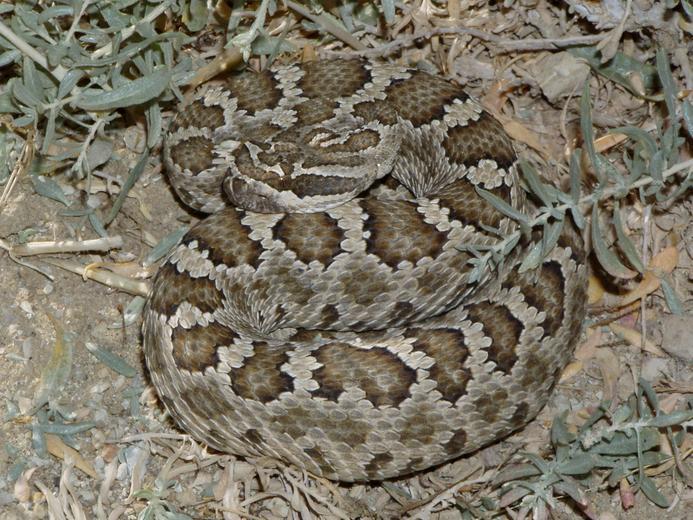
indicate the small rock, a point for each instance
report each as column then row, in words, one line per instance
column 677, row 340
column 654, row 368
column 560, row 75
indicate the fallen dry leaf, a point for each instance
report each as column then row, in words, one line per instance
column 58, row 448
column 595, row 290
column 522, row 133
column 588, row 348
column 662, row 263
column 610, row 369
column 22, row 488
column 570, row 371
column 633, row 337
column 665, row 261
column 649, row 284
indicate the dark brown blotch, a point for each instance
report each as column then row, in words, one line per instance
column 520, row 416
column 195, row 349
column 383, row 377
column 537, row 371
column 287, row 157
column 484, row 138
column 206, row 401
column 333, row 78
column 261, row 378
column 193, row 153
column 469, row 208
column 455, row 446
column 334, row 184
column 415, row 464
column 401, row 312
column 544, row 289
column 311, row 236
column 570, row 238
column 375, row 465
column 317, row 456
column 378, row 110
column 490, row 404
column 313, row 111
column 198, row 115
column 398, row 232
column 254, row 91
column 171, row 288
column 356, row 142
column 226, row 239
column 414, row 429
column 422, row 98
column 503, row 328
column 448, row 348
column 253, row 437
column 339, row 430
column 329, row 315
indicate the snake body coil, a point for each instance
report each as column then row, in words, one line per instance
column 331, row 311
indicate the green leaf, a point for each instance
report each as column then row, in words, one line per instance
column 644, row 139
column 127, row 186
column 575, row 189
column 572, row 489
column 503, row 206
column 69, row 81
column 532, row 258
column 65, row 429
column 164, row 246
column 625, row 243
column 129, row 94
column 111, row 360
column 535, row 184
column 586, row 129
column 620, row 69
column 560, row 435
column 607, row 259
column 132, row 312
column 622, row 414
column 96, row 223
column 620, row 470
column 540, row 463
column 56, row 372
column 552, row 233
column 597, row 414
column 663, row 420
column 269, row 45
column 672, row 299
column 651, row 491
column 10, row 56
column 688, row 117
column 668, row 84
column 581, row 464
column 649, row 392
column 47, row 187
column 388, row 10
column 154, row 125
column 621, row 444
column 27, row 96
column 50, row 131
column 516, row 472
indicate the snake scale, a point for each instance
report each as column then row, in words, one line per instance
column 332, row 311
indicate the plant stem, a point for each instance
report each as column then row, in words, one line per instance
column 22, row 46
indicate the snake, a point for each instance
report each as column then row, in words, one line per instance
column 357, row 300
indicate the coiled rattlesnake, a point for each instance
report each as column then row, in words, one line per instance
column 330, row 312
